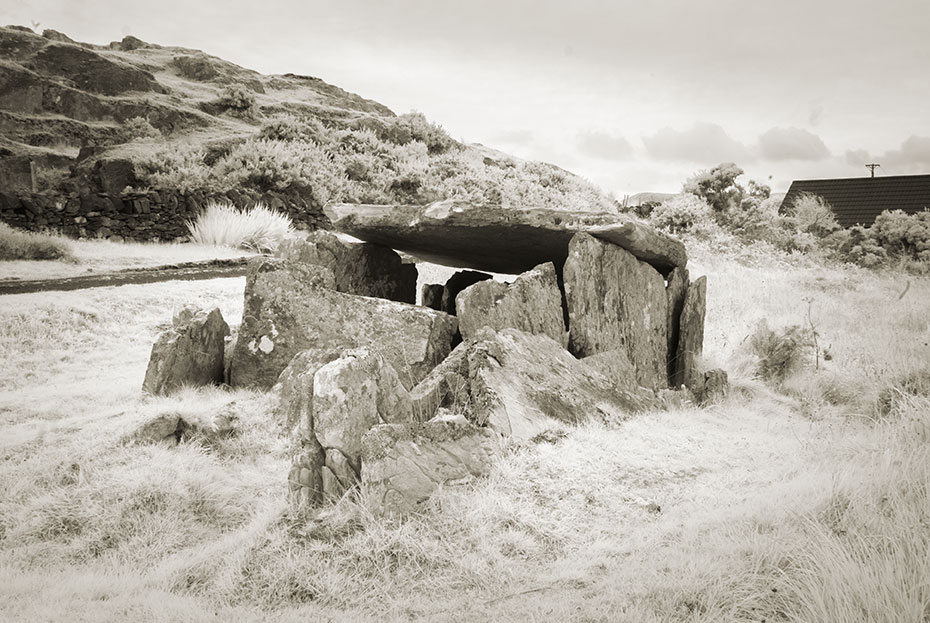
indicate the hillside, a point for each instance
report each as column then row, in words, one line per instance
column 78, row 120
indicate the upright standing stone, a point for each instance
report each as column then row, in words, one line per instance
column 691, row 340
column 442, row 298
column 358, row 268
column 616, row 302
column 532, row 303
column 189, row 353
column 675, row 298
column 289, row 308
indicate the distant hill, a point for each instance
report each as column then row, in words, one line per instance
column 641, row 198
column 186, row 120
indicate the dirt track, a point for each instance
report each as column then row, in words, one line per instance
column 187, row 271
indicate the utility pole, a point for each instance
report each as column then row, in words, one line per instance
column 872, row 167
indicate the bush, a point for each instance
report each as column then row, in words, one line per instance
column 902, row 234
column 414, row 126
column 20, row 245
column 175, row 166
column 258, row 229
column 139, row 129
column 682, row 213
column 813, row 215
column 287, row 127
column 278, row 165
column 237, row 99
column 780, row 353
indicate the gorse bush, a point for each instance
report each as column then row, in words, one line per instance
column 682, row 213
column 20, row 245
column 237, row 98
column 257, row 229
column 139, row 129
column 813, row 215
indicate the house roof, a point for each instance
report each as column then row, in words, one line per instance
column 858, row 200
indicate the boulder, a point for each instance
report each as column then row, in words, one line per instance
column 403, row 464
column 616, row 302
column 189, row 353
column 352, row 394
column 498, row 239
column 442, row 298
column 675, row 289
column 532, row 303
column 517, row 384
column 691, row 338
column 291, row 306
column 363, row 269
column 174, row 427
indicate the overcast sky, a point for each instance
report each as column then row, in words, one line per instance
column 635, row 96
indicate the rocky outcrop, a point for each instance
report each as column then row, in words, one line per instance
column 442, row 297
column 691, row 339
column 532, row 303
column 189, row 353
column 616, row 302
column 291, row 306
column 364, row 269
column 403, row 464
column 518, row 384
column 500, row 240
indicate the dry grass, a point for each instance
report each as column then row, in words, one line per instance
column 258, row 228
column 806, row 505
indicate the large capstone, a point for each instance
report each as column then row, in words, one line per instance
column 616, row 302
column 189, row 353
column 532, row 303
column 358, row 268
column 403, row 464
column 498, row 239
column 291, row 307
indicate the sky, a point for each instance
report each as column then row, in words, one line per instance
column 634, row 96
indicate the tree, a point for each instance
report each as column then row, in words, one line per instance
column 717, row 187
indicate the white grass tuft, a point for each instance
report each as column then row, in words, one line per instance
column 259, row 228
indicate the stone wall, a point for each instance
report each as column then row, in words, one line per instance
column 139, row 215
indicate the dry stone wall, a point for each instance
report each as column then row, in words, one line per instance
column 139, row 215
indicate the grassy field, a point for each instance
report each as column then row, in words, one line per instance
column 803, row 503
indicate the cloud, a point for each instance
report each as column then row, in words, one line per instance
column 912, row 157
column 914, row 154
column 604, row 146
column 792, row 144
column 705, row 143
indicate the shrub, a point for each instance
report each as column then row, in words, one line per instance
column 780, row 353
column 139, row 129
column 258, row 229
column 414, row 126
column 681, row 213
column 285, row 127
column 237, row 99
column 278, row 165
column 902, row 234
column 175, row 166
column 813, row 215
column 20, row 245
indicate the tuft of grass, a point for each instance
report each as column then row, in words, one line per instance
column 780, row 353
column 20, row 245
column 259, row 228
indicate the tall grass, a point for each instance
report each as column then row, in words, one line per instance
column 258, row 228
column 20, row 245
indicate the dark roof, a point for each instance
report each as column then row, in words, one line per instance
column 858, row 200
